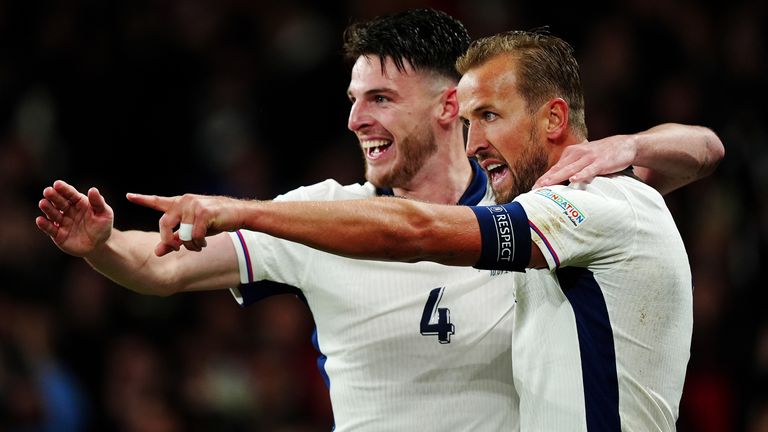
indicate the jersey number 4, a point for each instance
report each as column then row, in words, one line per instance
column 436, row 321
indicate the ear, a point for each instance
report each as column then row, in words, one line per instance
column 449, row 107
column 556, row 119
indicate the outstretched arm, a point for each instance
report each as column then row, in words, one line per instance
column 82, row 225
column 387, row 229
column 666, row 157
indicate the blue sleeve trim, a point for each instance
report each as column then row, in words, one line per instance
column 477, row 187
column 506, row 237
column 259, row 290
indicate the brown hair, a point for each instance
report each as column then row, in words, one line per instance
column 546, row 66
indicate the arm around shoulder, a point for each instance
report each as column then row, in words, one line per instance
column 672, row 155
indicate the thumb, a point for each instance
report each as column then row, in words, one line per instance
column 98, row 204
column 163, row 249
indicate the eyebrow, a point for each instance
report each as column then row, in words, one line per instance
column 378, row 90
column 482, row 108
column 478, row 110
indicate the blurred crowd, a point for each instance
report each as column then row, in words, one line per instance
column 247, row 98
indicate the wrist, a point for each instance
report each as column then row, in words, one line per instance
column 245, row 214
column 637, row 148
column 102, row 246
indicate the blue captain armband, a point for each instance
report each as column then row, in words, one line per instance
column 506, row 237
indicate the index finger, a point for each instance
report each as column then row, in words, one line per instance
column 62, row 195
column 155, row 202
column 69, row 192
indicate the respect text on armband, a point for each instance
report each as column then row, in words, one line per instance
column 506, row 239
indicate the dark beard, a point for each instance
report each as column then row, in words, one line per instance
column 532, row 163
column 413, row 153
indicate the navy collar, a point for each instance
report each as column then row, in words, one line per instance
column 472, row 196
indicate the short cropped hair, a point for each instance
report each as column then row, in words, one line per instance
column 428, row 39
column 546, row 69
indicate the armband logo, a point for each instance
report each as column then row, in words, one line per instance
column 504, row 237
column 574, row 215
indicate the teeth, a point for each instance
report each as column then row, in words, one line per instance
column 492, row 167
column 373, row 143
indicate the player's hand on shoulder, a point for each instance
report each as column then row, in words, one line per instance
column 580, row 163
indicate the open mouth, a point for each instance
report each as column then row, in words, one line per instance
column 374, row 149
column 497, row 172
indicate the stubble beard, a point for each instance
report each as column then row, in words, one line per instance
column 532, row 163
column 413, row 152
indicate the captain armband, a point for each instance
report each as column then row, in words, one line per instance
column 506, row 237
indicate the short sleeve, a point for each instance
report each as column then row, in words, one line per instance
column 577, row 227
column 264, row 258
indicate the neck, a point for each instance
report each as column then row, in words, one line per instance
column 445, row 176
column 556, row 147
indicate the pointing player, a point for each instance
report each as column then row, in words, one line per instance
column 407, row 345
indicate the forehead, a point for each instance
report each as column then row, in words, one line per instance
column 489, row 83
column 367, row 73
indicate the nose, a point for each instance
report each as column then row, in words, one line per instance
column 358, row 118
column 476, row 141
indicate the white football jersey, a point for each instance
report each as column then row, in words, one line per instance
column 418, row 347
column 602, row 337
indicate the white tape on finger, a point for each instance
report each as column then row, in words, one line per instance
column 185, row 232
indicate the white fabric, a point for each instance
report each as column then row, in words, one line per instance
column 622, row 232
column 384, row 374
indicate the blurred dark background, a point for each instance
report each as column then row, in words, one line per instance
column 247, row 98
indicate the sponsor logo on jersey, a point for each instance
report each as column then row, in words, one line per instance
column 570, row 211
